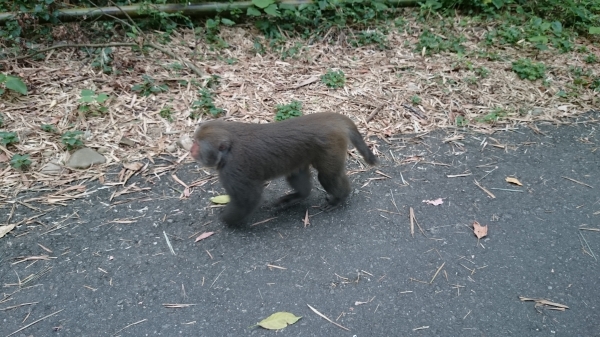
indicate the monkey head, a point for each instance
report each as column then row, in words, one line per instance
column 211, row 145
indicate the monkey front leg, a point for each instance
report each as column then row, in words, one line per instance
column 243, row 200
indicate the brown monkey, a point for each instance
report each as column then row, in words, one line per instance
column 247, row 155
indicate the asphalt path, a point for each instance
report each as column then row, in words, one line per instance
column 130, row 266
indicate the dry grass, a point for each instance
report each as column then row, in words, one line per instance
column 378, row 95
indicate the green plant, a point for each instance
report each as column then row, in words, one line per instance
column 482, row 72
column 48, row 128
column 369, row 37
column 13, row 83
column 205, row 104
column 72, row 139
column 527, row 69
column 433, row 44
column 334, row 79
column 591, row 58
column 493, row 116
column 212, row 29
column 20, row 162
column 92, row 102
column 415, row 99
column 166, row 113
column 8, row 138
column 103, row 60
column 148, row 87
column 285, row 111
column 460, row 121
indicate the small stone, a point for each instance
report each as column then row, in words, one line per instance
column 127, row 141
column 52, row 168
column 84, row 158
column 171, row 148
column 185, row 142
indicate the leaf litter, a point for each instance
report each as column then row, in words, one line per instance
column 251, row 85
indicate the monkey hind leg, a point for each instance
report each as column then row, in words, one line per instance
column 337, row 186
column 244, row 199
column 300, row 182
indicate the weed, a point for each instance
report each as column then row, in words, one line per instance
column 482, row 72
column 72, row 139
column 286, row 111
column 92, row 102
column 148, row 87
column 205, row 104
column 461, row 121
column 415, row 100
column 8, row 138
column 492, row 117
column 20, row 162
column 527, row 69
column 369, row 37
column 334, row 79
column 433, row 44
column 103, row 60
column 591, row 58
column 48, row 128
column 471, row 80
column 13, row 83
column 166, row 113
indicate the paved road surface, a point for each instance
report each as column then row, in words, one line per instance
column 111, row 271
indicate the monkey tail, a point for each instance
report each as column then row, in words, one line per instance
column 359, row 143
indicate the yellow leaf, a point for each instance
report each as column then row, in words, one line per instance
column 513, row 181
column 220, row 199
column 278, row 320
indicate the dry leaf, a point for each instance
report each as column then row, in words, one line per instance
column 479, row 230
column 204, row 236
column 220, row 199
column 135, row 166
column 5, row 229
column 513, row 181
column 278, row 320
column 435, row 202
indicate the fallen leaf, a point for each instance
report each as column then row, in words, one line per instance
column 513, row 181
column 479, row 230
column 203, row 236
column 220, row 199
column 135, row 166
column 5, row 229
column 278, row 320
column 435, row 202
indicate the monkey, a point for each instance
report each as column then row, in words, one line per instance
column 247, row 155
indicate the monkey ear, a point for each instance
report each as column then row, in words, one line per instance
column 224, row 146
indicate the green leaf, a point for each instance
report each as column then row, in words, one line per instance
column 15, row 83
column 102, row 97
column 227, row 22
column 594, row 30
column 252, row 11
column 557, row 27
column 278, row 320
column 220, row 199
column 272, row 10
column 541, row 38
column 262, row 3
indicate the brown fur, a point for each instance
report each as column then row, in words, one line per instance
column 247, row 155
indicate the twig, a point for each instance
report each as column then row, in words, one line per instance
column 437, row 272
column 32, row 323
column 372, row 115
column 132, row 324
column 576, row 181
column 484, row 189
column 326, row 318
column 169, row 243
